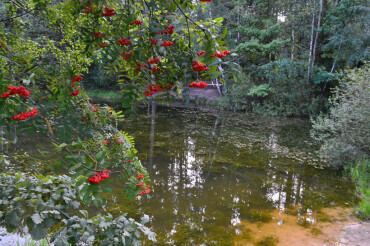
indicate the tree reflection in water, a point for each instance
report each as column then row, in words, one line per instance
column 212, row 170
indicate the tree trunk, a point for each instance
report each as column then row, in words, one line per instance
column 311, row 44
column 237, row 21
column 317, row 34
column 293, row 23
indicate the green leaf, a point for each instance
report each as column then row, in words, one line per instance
column 96, row 203
column 100, row 156
column 38, row 232
column 224, row 33
column 80, row 181
column 79, row 173
column 63, row 164
column 36, row 219
column 74, row 167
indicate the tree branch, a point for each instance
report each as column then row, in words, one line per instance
column 188, row 18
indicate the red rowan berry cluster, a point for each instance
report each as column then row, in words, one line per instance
column 202, row 53
column 201, row 84
column 154, row 60
column 126, row 55
column 140, row 66
column 16, row 90
column 103, row 45
column 98, row 34
column 129, row 161
column 104, row 142
column 147, row 190
column 206, row 1
column 140, row 176
column 124, row 41
column 109, row 114
column 95, row 109
column 152, row 88
column 99, row 176
column 199, row 67
column 222, row 54
column 166, row 43
column 76, row 78
column 25, row 115
column 88, row 9
column 169, row 30
column 108, row 12
column 154, row 41
column 75, row 93
column 137, row 22
column 156, row 69
column 143, row 192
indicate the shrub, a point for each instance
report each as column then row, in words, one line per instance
column 345, row 132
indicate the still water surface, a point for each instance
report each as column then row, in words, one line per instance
column 215, row 175
column 214, row 172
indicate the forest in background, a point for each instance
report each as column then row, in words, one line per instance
column 289, row 54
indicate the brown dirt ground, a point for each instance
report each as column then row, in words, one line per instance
column 331, row 226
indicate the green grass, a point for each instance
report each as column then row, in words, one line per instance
column 360, row 174
column 103, row 94
column 31, row 242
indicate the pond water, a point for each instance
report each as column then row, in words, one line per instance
column 223, row 178
column 215, row 172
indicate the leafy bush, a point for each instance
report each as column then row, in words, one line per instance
column 260, row 91
column 236, row 97
column 345, row 132
column 46, row 205
column 292, row 94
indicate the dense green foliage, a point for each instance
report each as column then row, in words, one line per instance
column 345, row 132
column 51, row 206
column 296, row 47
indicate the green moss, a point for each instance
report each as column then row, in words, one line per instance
column 316, row 231
column 245, row 235
column 255, row 216
column 267, row 241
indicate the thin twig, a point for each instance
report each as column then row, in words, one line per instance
column 188, row 18
column 14, row 17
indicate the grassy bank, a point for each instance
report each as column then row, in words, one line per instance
column 104, row 94
column 360, row 174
